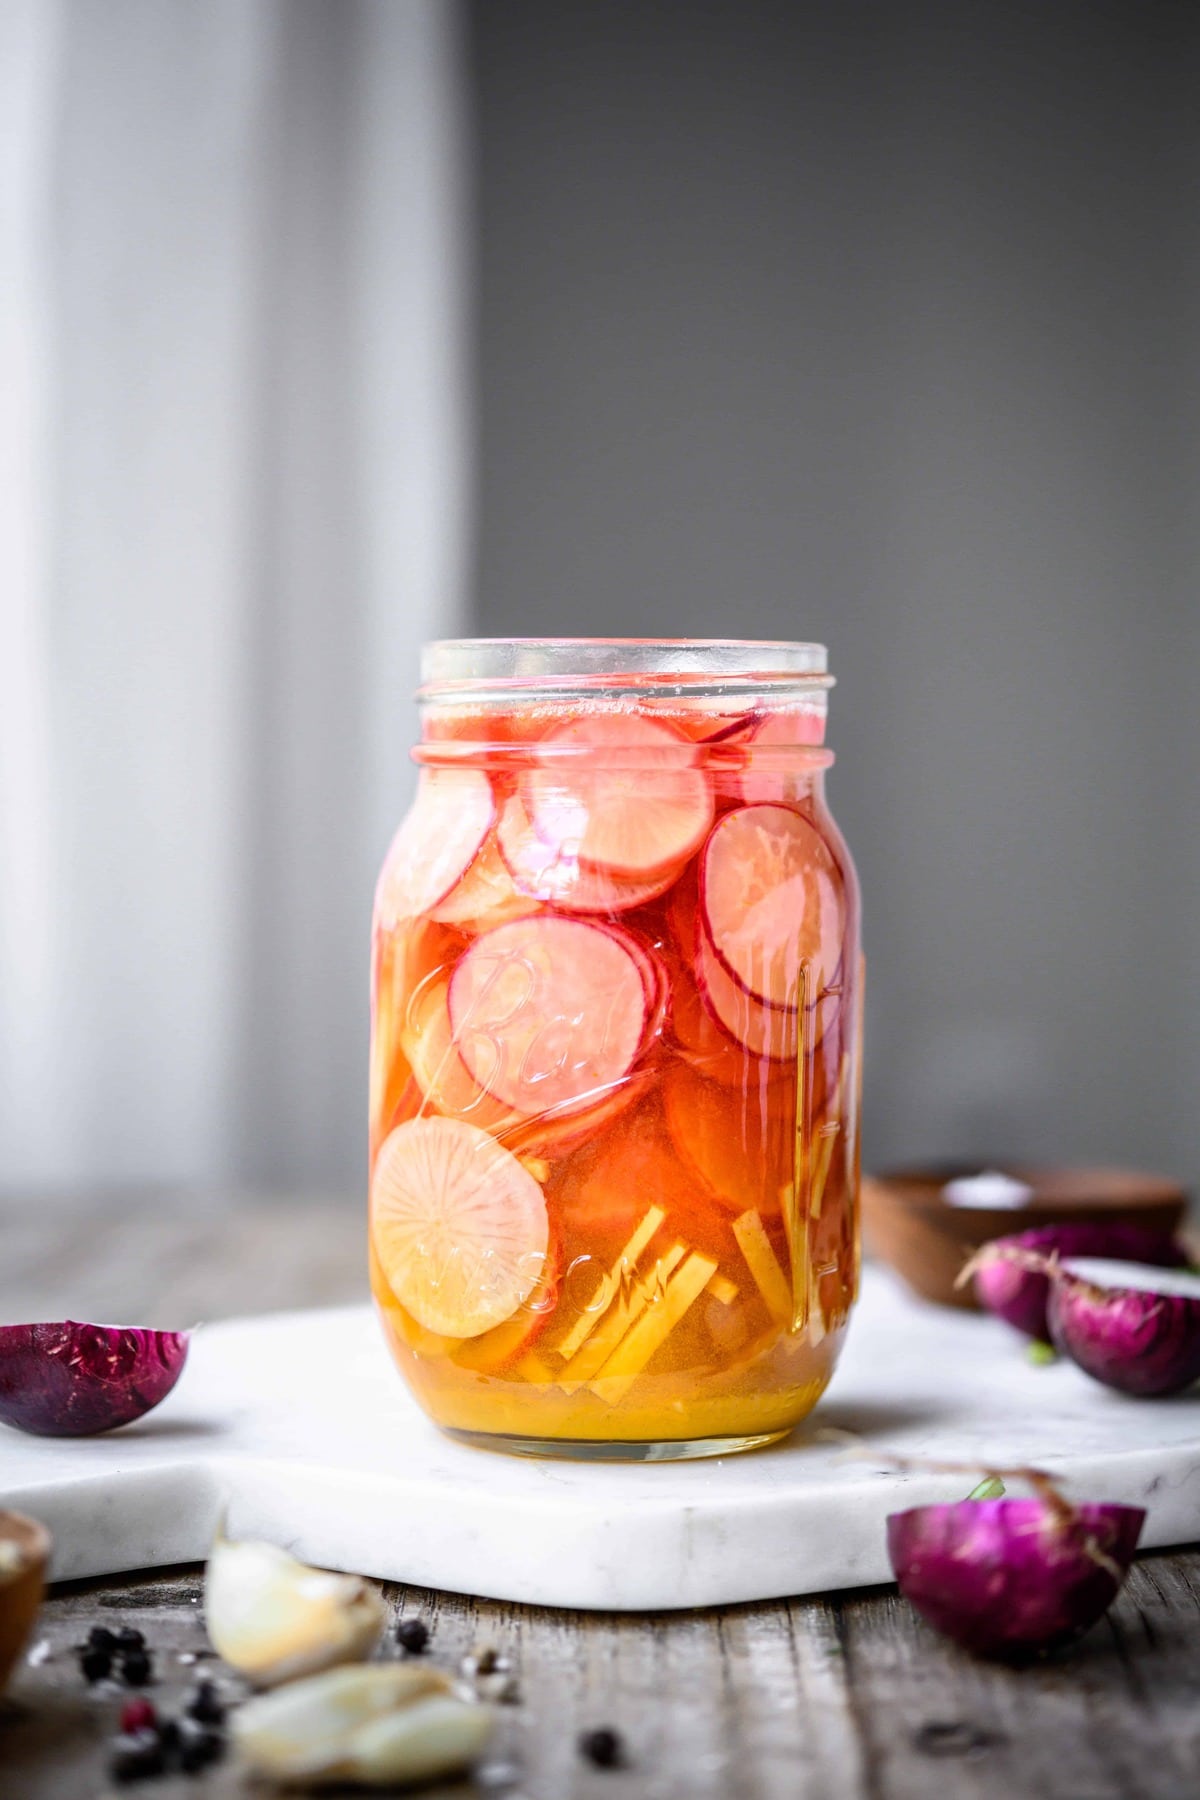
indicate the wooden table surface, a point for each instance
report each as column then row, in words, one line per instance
column 811, row 1699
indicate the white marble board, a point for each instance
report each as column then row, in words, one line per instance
column 300, row 1426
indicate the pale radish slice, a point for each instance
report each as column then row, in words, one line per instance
column 440, row 838
column 446, row 1084
column 560, row 1133
column 547, row 1012
column 550, row 872
column 771, row 901
column 506, row 1344
column 712, row 1049
column 766, row 1031
column 459, row 1227
column 487, row 894
column 630, row 801
column 775, row 731
column 741, row 1143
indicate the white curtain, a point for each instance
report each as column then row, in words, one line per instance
column 233, row 500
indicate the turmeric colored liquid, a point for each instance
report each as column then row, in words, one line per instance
column 669, row 1091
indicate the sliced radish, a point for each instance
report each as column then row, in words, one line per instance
column 711, row 1048
column 771, row 902
column 741, row 1142
column 436, row 845
column 459, row 1226
column 446, row 1083
column 774, row 731
column 506, row 1344
column 606, row 1189
column 636, row 806
column 561, row 1133
column 549, row 872
column 766, row 1031
column 549, row 1011
column 487, row 894
column 716, row 1043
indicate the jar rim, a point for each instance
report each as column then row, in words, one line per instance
column 479, row 666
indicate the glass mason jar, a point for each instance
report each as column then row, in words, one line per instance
column 615, row 1052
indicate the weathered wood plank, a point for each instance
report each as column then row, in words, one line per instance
column 809, row 1700
column 837, row 1698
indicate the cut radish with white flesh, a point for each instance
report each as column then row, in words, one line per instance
column 766, row 1031
column 771, row 901
column 548, row 872
column 436, row 845
column 548, row 1011
column 486, row 895
column 459, row 1226
column 446, row 1084
column 631, row 802
column 778, row 731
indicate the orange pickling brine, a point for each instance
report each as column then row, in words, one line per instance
column 616, row 1003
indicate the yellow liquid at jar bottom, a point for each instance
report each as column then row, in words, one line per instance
column 762, row 1398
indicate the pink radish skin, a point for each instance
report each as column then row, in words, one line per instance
column 776, row 731
column 550, row 874
column 637, row 808
column 486, row 895
column 764, row 1031
column 771, row 898
column 547, row 1012
column 70, row 1380
column 435, row 846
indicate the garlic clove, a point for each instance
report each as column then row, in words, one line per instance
column 435, row 1737
column 380, row 1724
column 275, row 1619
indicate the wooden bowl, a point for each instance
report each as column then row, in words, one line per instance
column 908, row 1222
column 24, row 1553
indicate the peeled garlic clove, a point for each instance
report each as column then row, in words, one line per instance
column 274, row 1619
column 431, row 1738
column 379, row 1724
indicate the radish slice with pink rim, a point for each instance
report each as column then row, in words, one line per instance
column 766, row 1031
column 487, row 894
column 446, row 1084
column 546, row 872
column 771, row 903
column 436, row 845
column 547, row 1012
column 637, row 808
column 778, row 731
column 459, row 1226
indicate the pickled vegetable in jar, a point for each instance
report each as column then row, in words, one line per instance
column 616, row 998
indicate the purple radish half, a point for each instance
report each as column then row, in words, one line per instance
column 1131, row 1327
column 69, row 1380
column 1012, row 1579
column 1008, row 1286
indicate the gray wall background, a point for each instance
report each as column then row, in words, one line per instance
column 877, row 324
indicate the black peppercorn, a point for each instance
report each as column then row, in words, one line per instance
column 412, row 1635
column 206, row 1705
column 136, row 1668
column 199, row 1745
column 101, row 1638
column 136, row 1756
column 130, row 1638
column 602, row 1747
column 95, row 1664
